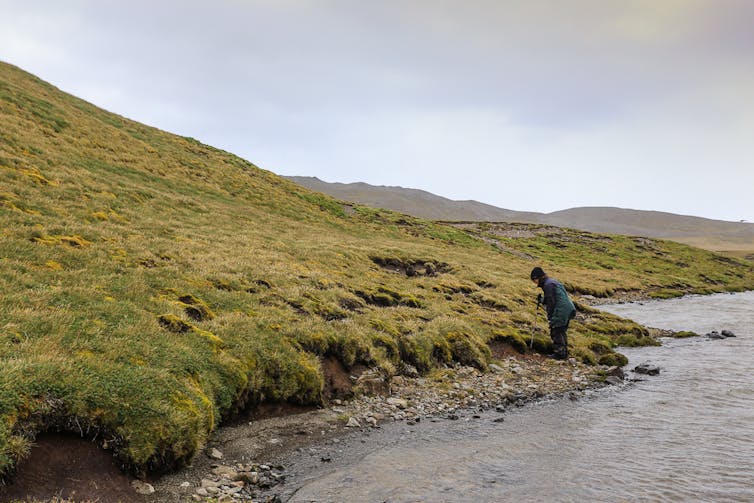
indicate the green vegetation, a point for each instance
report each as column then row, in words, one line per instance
column 153, row 285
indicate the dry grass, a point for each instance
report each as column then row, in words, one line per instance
column 152, row 285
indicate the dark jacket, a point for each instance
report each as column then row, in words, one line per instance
column 560, row 309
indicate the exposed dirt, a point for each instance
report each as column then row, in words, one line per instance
column 338, row 382
column 67, row 466
column 502, row 350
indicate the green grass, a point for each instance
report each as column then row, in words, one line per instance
column 152, row 285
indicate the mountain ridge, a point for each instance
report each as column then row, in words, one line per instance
column 718, row 235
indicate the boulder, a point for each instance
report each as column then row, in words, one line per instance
column 728, row 333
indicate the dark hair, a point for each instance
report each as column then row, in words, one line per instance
column 537, row 273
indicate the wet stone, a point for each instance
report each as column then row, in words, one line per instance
column 614, row 381
column 648, row 369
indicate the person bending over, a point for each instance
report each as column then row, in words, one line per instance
column 560, row 311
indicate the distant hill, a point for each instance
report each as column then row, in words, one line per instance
column 702, row 232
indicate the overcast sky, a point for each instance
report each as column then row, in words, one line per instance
column 526, row 105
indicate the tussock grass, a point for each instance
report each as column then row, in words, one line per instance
column 153, row 285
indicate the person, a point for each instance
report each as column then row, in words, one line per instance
column 560, row 311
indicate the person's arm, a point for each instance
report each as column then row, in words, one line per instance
column 550, row 299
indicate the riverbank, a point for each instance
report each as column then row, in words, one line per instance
column 242, row 461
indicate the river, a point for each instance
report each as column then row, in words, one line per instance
column 685, row 435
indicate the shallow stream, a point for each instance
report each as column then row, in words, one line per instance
column 685, row 435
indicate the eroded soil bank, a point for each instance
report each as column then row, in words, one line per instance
column 258, row 452
column 254, row 447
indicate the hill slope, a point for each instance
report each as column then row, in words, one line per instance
column 703, row 232
column 153, row 285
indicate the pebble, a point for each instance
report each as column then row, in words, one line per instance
column 215, row 454
column 224, row 471
column 398, row 402
column 142, row 487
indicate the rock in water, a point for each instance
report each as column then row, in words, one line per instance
column 715, row 335
column 646, row 368
column 613, row 380
column 728, row 333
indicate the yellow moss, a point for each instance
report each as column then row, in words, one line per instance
column 74, row 241
column 204, row 401
column 115, row 216
column 37, row 177
column 210, row 337
column 119, row 254
column 107, row 298
column 53, row 266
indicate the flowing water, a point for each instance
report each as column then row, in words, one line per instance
column 685, row 435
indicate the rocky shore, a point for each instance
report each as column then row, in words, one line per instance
column 240, row 463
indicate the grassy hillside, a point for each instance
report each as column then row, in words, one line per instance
column 153, row 285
